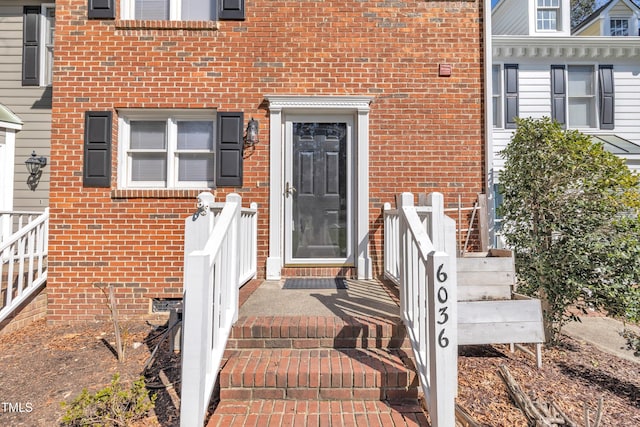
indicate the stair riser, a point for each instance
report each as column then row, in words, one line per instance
column 338, row 394
column 318, row 374
column 309, row 343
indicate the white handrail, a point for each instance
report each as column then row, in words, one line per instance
column 215, row 248
column 23, row 268
column 420, row 258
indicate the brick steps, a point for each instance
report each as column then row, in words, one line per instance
column 307, row 332
column 312, row 413
column 325, row 374
column 315, row 370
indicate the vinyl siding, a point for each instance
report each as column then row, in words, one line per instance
column 627, row 101
column 535, row 101
column 31, row 104
column 511, row 17
column 591, row 30
column 620, row 10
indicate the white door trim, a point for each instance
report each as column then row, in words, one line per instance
column 291, row 104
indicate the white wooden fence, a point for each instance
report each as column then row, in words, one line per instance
column 220, row 256
column 23, row 253
column 420, row 257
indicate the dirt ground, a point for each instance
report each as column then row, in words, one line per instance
column 42, row 366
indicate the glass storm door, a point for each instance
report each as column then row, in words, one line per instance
column 317, row 192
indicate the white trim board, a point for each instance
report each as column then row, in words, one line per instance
column 281, row 105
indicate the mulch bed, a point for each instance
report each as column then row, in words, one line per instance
column 42, row 366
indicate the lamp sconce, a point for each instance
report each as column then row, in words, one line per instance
column 251, row 135
column 35, row 163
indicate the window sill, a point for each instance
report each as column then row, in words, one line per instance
column 157, row 193
column 130, row 24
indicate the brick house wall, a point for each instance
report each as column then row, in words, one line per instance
column 425, row 130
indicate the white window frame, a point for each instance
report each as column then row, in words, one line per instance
column 497, row 96
column 593, row 97
column 46, row 61
column 172, row 117
column 619, row 20
column 128, row 10
column 548, row 8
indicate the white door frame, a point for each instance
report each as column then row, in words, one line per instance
column 279, row 107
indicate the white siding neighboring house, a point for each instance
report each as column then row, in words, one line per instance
column 588, row 80
column 26, row 49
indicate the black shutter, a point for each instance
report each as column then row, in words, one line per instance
column 231, row 10
column 510, row 95
column 31, row 46
column 97, row 149
column 607, row 92
column 101, row 9
column 558, row 95
column 229, row 142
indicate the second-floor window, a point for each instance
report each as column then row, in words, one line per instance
column 165, row 10
column 547, row 15
column 37, row 50
column 581, row 96
column 619, row 27
column 496, row 84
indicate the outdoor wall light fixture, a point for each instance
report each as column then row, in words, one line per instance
column 251, row 136
column 35, row 163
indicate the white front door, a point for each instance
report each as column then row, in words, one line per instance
column 318, row 191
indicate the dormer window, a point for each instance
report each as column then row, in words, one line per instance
column 548, row 15
column 619, row 27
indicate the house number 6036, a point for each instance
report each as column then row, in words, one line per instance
column 443, row 297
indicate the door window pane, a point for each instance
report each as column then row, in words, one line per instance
column 319, row 204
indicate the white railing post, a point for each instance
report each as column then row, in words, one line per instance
column 218, row 238
column 425, row 252
column 406, row 265
column 443, row 339
column 234, row 260
column 197, row 319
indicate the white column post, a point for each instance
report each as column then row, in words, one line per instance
column 364, row 264
column 274, row 260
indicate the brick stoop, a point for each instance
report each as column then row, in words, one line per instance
column 314, row 370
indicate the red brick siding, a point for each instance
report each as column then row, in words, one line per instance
column 425, row 130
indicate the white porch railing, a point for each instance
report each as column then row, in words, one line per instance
column 215, row 266
column 248, row 244
column 420, row 257
column 23, row 253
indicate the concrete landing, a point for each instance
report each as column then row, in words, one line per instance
column 369, row 298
